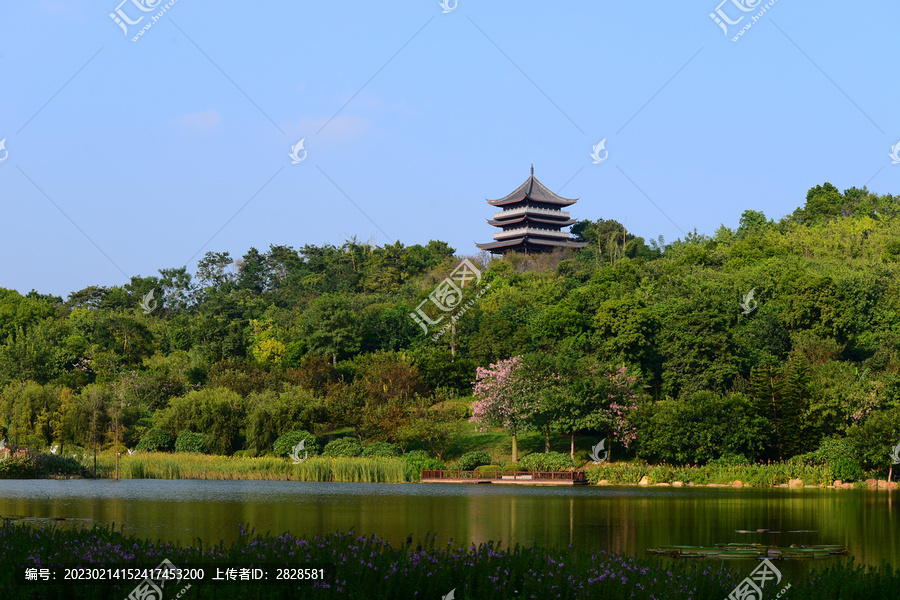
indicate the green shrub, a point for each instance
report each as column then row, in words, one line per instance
column 271, row 414
column 549, row 461
column 54, row 464
column 345, row 446
column 488, row 468
column 507, row 468
column 381, row 449
column 155, row 440
column 217, row 412
column 188, row 441
column 415, row 455
column 470, row 460
column 284, row 445
column 875, row 439
column 700, row 428
column 840, row 456
column 415, row 461
column 25, row 464
column 729, row 460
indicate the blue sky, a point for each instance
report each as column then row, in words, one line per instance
column 125, row 157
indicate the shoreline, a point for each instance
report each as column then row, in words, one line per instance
column 871, row 484
column 404, row 470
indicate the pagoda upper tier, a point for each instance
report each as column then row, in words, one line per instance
column 531, row 220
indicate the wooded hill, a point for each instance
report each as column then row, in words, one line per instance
column 321, row 338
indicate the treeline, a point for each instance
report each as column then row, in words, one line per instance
column 321, row 338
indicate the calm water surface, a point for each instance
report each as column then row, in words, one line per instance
column 625, row 520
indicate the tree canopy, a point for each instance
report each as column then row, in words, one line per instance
column 622, row 337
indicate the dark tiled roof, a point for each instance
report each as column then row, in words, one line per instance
column 564, row 223
column 529, row 239
column 503, row 244
column 535, row 190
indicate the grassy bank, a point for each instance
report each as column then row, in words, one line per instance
column 163, row 465
column 818, row 468
column 753, row 475
column 485, row 572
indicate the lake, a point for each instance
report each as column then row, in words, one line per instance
column 625, row 520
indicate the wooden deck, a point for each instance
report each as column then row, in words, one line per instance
column 516, row 478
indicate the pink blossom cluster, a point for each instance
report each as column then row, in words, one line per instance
column 623, row 404
column 500, row 395
column 869, row 403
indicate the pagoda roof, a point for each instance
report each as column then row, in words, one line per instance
column 531, row 219
column 504, row 244
column 534, row 190
column 527, row 239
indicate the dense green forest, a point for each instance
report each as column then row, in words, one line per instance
column 660, row 347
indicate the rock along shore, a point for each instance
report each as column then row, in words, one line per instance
column 872, row 484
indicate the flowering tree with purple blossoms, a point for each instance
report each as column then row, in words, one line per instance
column 502, row 398
column 602, row 401
column 623, row 401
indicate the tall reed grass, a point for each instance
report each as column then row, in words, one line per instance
column 161, row 465
column 366, row 470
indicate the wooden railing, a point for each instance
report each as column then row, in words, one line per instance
column 501, row 475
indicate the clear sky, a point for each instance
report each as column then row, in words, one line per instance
column 124, row 157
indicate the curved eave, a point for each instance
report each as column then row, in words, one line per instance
column 503, row 244
column 529, row 239
column 535, row 190
column 505, row 202
column 561, row 223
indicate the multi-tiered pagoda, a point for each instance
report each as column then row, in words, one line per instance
column 531, row 220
